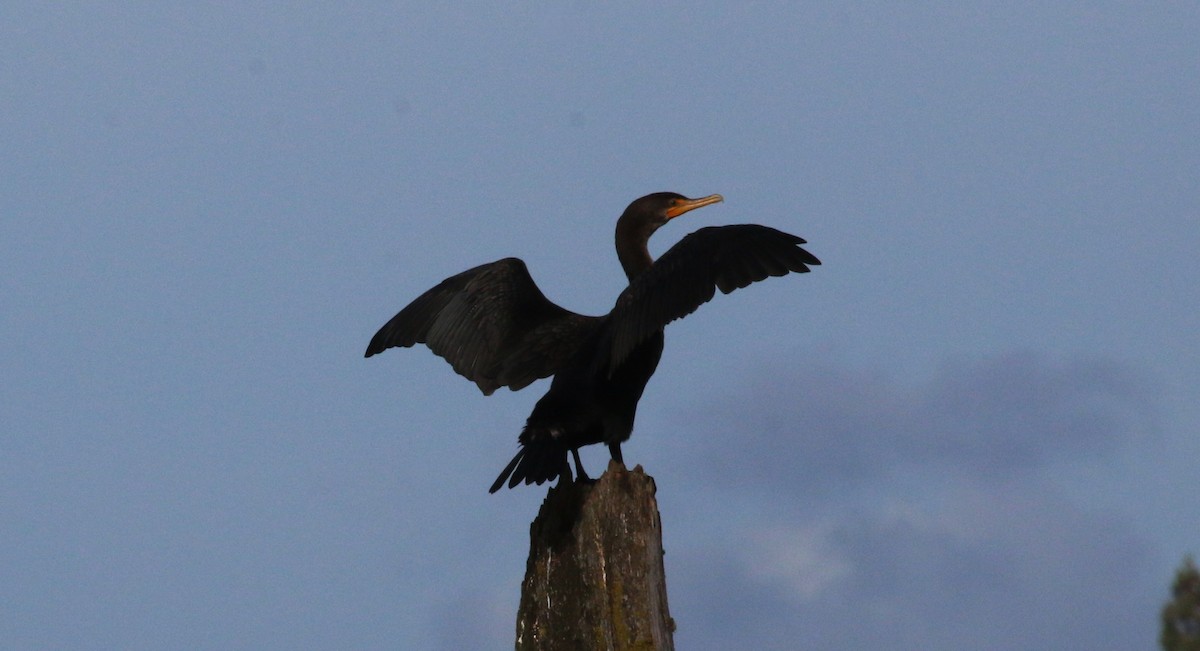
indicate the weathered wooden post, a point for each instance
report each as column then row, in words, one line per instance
column 594, row 579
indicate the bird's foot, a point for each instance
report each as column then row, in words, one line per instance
column 581, row 474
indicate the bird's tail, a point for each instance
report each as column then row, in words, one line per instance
column 540, row 459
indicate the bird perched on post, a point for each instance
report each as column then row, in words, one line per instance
column 497, row 329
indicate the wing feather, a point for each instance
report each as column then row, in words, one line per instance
column 492, row 324
column 688, row 275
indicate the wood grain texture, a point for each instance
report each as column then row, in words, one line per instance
column 594, row 579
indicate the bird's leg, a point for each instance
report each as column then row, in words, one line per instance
column 565, row 473
column 615, row 450
column 583, row 476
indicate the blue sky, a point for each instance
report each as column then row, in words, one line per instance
column 974, row 427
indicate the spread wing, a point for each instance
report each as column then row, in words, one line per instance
column 688, row 275
column 492, row 324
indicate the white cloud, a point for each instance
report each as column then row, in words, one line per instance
column 803, row 557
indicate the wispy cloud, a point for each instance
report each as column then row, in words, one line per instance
column 924, row 517
column 1013, row 413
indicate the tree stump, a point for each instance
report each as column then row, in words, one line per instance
column 594, row 579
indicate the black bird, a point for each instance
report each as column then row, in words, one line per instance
column 497, row 329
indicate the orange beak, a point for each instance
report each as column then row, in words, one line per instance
column 687, row 205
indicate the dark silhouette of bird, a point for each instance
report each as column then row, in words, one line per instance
column 497, row 329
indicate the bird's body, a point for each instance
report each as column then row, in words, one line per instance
column 496, row 328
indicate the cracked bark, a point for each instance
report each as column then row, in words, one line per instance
column 594, row 579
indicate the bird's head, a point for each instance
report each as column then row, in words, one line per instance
column 654, row 210
column 642, row 218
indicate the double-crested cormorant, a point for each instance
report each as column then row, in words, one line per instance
column 497, row 329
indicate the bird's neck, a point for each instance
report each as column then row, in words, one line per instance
column 632, row 237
